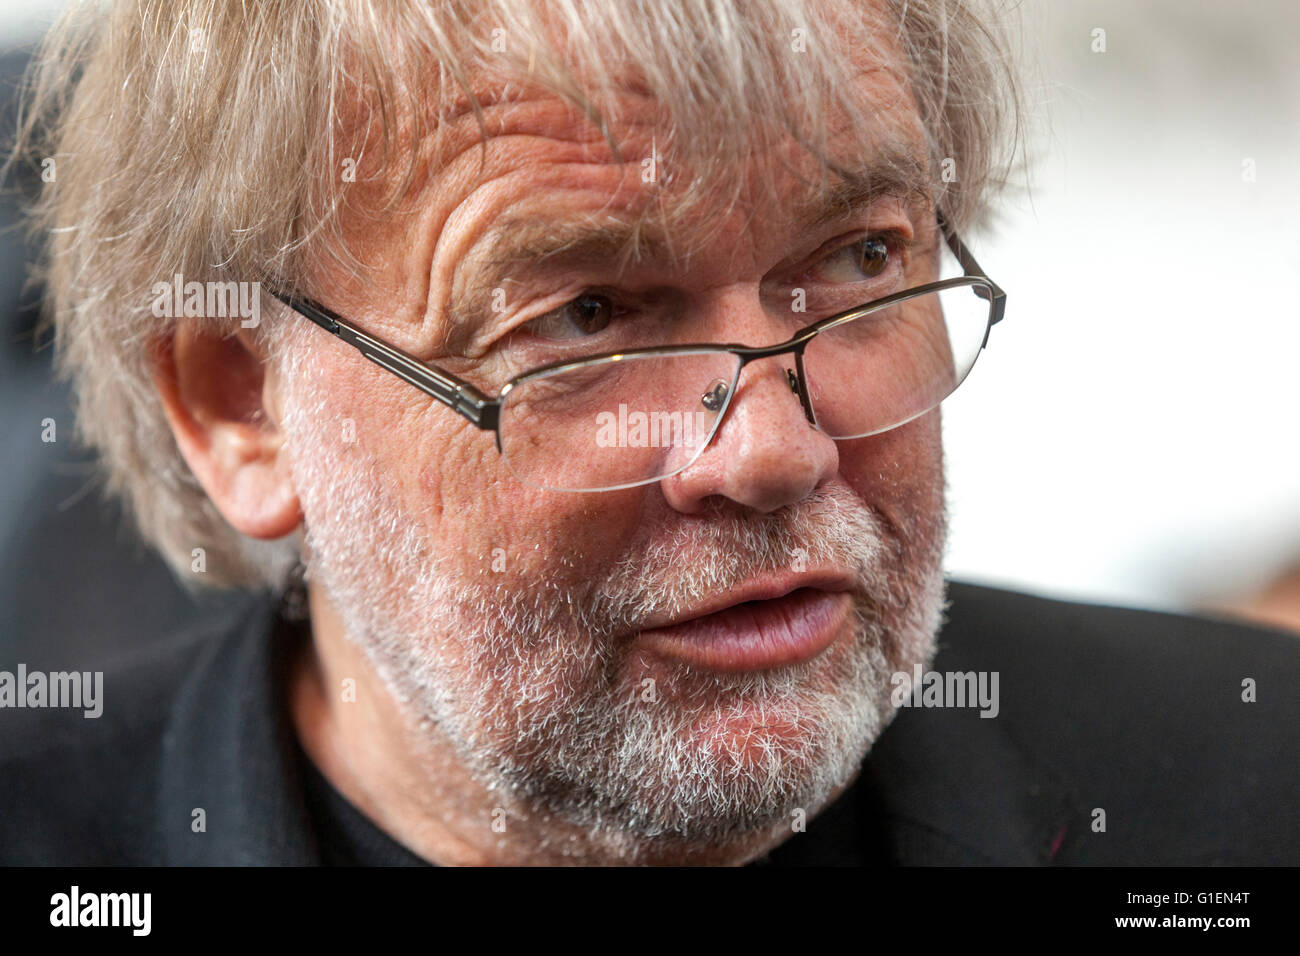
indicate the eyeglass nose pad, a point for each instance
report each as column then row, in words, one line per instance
column 716, row 396
column 792, row 377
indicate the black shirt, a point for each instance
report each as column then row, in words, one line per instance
column 1134, row 714
column 345, row 835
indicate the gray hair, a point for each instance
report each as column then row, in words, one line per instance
column 205, row 138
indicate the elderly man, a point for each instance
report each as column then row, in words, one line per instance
column 585, row 362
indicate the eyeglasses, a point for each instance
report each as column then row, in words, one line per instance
column 638, row 415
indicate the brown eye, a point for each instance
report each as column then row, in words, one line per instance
column 590, row 313
column 873, row 254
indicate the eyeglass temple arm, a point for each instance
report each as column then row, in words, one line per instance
column 972, row 268
column 458, row 395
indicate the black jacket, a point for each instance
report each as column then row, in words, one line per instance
column 1135, row 714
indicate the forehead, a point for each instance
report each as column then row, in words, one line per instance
column 653, row 226
column 750, row 105
column 652, row 156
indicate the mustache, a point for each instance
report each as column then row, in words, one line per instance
column 723, row 548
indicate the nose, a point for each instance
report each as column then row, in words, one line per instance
column 766, row 455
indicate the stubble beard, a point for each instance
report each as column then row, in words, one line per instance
column 533, row 687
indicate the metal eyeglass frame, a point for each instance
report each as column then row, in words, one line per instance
column 484, row 411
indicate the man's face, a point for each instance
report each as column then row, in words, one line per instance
column 525, row 629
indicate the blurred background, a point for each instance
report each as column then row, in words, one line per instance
column 1130, row 434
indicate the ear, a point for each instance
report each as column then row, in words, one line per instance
column 224, row 411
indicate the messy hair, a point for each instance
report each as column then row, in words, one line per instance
column 207, row 138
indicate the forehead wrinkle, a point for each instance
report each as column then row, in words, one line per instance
column 894, row 171
column 517, row 242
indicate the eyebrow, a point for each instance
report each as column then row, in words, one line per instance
column 895, row 173
column 518, row 243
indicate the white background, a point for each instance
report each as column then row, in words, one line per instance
column 1131, row 432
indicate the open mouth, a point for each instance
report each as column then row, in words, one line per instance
column 755, row 635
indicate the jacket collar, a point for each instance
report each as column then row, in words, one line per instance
column 953, row 788
column 230, row 751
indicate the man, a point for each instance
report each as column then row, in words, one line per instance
column 597, row 392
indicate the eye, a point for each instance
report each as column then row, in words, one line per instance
column 872, row 255
column 856, row 262
column 588, row 314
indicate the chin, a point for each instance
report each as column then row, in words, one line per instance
column 741, row 767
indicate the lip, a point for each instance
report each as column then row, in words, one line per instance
column 769, row 624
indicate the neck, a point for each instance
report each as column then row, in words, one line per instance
column 405, row 777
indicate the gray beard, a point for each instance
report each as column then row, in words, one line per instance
column 530, row 686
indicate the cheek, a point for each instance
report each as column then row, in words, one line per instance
column 449, row 478
column 899, row 473
column 500, row 531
